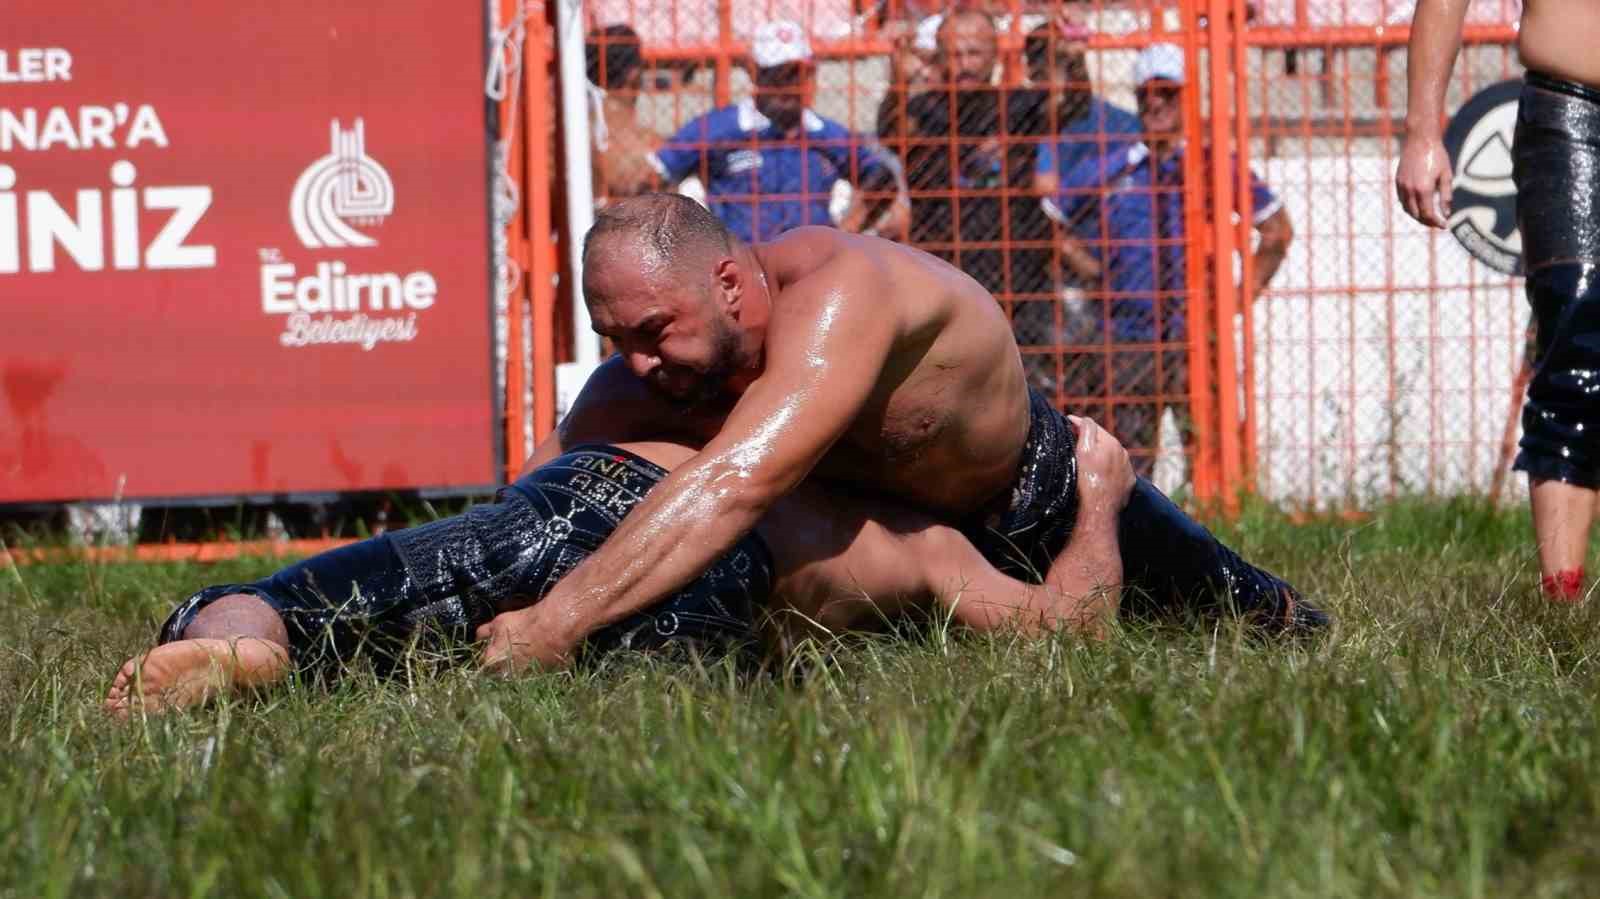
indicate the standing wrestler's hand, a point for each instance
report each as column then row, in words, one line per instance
column 1105, row 474
column 1423, row 174
column 517, row 639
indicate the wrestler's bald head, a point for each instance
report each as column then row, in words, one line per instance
column 657, row 233
column 664, row 280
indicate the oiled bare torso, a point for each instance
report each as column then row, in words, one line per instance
column 1562, row 38
column 946, row 425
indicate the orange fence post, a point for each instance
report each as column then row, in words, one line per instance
column 539, row 121
column 725, row 52
column 1225, row 244
column 1226, row 159
column 1246, row 242
column 515, row 136
column 1204, row 465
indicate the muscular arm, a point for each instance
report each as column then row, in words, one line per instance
column 1087, row 573
column 825, row 351
column 880, row 186
column 979, row 596
column 1081, row 591
column 1430, row 55
column 1424, row 169
column 844, row 559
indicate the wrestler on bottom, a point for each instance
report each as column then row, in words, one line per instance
column 818, row 564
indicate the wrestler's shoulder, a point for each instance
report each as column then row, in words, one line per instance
column 829, row 259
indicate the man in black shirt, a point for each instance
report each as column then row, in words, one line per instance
column 970, row 156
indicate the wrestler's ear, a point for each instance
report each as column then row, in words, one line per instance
column 729, row 283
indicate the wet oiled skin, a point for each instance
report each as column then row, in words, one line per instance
column 944, row 426
column 1559, row 37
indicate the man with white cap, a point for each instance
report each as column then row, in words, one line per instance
column 770, row 163
column 1122, row 233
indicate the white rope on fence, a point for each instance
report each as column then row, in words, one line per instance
column 501, row 86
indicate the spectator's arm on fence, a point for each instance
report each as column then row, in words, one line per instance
column 1074, row 206
column 1046, row 180
column 1078, row 257
column 1271, row 220
column 1276, row 233
column 880, row 190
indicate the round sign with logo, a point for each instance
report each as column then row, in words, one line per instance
column 1483, row 207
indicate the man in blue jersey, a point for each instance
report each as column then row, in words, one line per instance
column 770, row 163
column 1123, row 235
column 1086, row 125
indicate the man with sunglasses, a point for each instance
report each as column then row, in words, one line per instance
column 770, row 163
column 1123, row 234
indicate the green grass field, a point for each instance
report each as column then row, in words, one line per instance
column 1442, row 742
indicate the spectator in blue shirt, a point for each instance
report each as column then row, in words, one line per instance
column 1081, row 126
column 1085, row 125
column 1123, row 234
column 770, row 163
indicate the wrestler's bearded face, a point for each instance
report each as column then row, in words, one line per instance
column 681, row 343
column 700, row 375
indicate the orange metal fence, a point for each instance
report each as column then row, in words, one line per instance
column 1378, row 360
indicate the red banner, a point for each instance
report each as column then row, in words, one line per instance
column 244, row 248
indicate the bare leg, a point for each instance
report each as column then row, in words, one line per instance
column 1562, row 515
column 237, row 642
column 849, row 563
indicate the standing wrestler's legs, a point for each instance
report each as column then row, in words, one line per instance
column 1556, row 167
column 1562, row 516
column 1562, row 412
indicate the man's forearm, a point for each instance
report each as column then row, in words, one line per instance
column 1078, row 258
column 875, row 193
column 1268, row 259
column 1092, row 560
column 854, row 219
column 1082, row 598
column 1435, row 41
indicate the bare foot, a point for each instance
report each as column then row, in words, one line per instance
column 187, row 673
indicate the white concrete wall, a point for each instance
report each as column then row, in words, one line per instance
column 1385, row 355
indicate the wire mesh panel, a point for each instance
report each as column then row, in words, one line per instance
column 1384, row 356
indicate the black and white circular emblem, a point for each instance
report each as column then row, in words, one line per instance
column 1483, row 207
